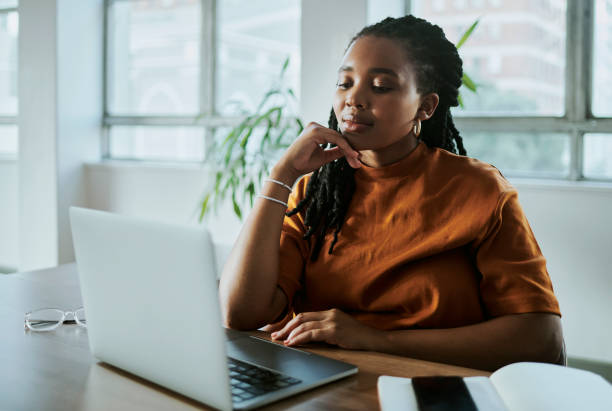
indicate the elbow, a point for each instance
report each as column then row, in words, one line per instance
column 237, row 321
column 241, row 317
column 549, row 345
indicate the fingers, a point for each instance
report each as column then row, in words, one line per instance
column 297, row 321
column 320, row 334
column 311, row 329
column 277, row 325
column 324, row 135
column 352, row 156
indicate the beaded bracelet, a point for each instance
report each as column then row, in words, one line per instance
column 280, row 183
column 272, row 199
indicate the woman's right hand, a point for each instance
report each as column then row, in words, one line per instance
column 306, row 155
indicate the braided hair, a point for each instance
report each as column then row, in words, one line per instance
column 438, row 69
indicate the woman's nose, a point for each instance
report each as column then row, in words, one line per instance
column 356, row 98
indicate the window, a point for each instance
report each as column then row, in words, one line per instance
column 543, row 108
column 9, row 28
column 176, row 70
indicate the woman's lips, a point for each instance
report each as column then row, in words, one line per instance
column 355, row 127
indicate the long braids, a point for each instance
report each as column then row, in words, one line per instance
column 438, row 69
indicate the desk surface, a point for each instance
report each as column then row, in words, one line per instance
column 55, row 370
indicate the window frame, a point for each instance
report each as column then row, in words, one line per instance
column 576, row 122
column 206, row 119
column 9, row 120
column 578, row 118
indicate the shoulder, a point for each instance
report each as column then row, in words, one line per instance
column 470, row 174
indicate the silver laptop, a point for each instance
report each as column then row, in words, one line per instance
column 150, row 296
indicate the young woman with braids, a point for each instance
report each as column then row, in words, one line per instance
column 394, row 242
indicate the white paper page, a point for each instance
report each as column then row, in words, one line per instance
column 396, row 393
column 541, row 387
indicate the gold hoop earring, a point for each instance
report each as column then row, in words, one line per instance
column 417, row 128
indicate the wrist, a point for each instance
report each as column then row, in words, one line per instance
column 285, row 174
column 375, row 340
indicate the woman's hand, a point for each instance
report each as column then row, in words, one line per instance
column 270, row 328
column 331, row 326
column 306, row 155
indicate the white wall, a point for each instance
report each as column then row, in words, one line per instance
column 327, row 27
column 60, row 111
column 9, row 214
column 572, row 223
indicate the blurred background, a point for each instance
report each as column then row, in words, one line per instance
column 117, row 105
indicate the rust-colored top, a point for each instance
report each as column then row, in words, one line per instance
column 435, row 240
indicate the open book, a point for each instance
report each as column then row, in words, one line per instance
column 520, row 386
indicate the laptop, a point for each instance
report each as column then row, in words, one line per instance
column 150, row 295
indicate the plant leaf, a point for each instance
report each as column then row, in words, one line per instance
column 251, row 190
column 460, row 100
column 300, row 125
column 218, row 178
column 285, row 65
column 266, row 138
column 266, row 97
column 280, row 136
column 467, row 81
column 237, row 210
column 467, row 33
column 204, row 207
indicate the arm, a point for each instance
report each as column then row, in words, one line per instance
column 250, row 297
column 248, row 292
column 487, row 345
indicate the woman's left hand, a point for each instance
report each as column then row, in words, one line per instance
column 331, row 326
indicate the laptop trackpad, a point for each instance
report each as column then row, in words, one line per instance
column 275, row 357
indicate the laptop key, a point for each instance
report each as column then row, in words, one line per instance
column 246, row 395
column 249, row 381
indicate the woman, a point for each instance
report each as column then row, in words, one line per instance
column 394, row 243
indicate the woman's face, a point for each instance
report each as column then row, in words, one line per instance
column 376, row 101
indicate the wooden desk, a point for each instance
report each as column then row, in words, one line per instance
column 55, row 370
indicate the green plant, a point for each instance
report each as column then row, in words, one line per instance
column 244, row 156
column 466, row 80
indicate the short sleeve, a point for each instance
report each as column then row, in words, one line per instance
column 294, row 250
column 514, row 276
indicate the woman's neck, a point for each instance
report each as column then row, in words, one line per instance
column 389, row 154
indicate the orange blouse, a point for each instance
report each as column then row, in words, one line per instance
column 435, row 240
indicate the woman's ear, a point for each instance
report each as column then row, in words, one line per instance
column 429, row 102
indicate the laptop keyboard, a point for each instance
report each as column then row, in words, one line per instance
column 249, row 381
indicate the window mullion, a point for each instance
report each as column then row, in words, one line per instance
column 105, row 136
column 579, row 29
column 207, row 58
column 407, row 6
column 208, row 68
column 8, row 120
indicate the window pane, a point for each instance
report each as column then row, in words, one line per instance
column 602, row 59
column 154, row 57
column 597, row 155
column 8, row 140
column 7, row 4
column 516, row 55
column 9, row 27
column 522, row 154
column 254, row 38
column 157, row 143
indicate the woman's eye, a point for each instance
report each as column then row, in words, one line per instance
column 342, row 85
column 381, row 89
